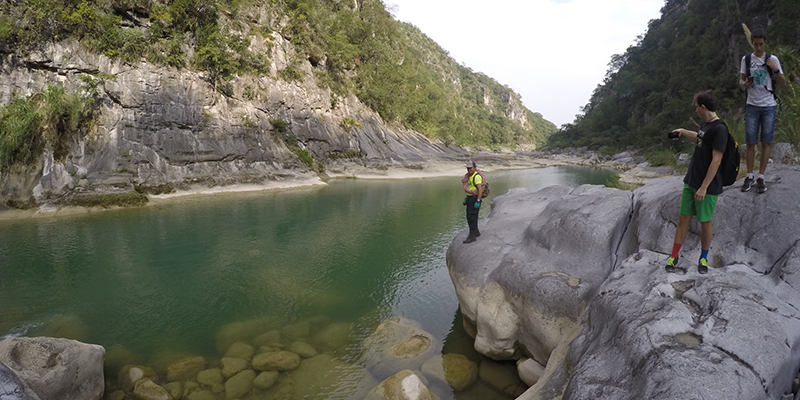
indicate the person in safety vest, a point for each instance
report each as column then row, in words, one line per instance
column 474, row 190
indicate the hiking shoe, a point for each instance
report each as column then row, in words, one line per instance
column 761, row 187
column 702, row 266
column 748, row 183
column 672, row 264
column 470, row 239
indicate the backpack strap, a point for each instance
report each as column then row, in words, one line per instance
column 747, row 64
column 747, row 59
column 771, row 78
column 472, row 178
column 766, row 57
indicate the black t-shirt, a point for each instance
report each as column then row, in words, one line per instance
column 712, row 135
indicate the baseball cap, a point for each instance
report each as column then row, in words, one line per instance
column 470, row 164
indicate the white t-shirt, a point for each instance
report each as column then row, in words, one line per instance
column 759, row 94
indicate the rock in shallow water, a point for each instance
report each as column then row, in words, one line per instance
column 455, row 370
column 240, row 350
column 232, row 366
column 266, row 379
column 397, row 344
column 145, row 389
column 277, row 361
column 405, row 385
column 239, row 384
column 185, row 369
column 56, row 368
column 130, row 374
column 325, row 376
column 210, row 377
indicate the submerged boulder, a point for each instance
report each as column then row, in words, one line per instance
column 130, row 374
column 145, row 389
column 277, row 361
column 397, row 344
column 404, row 385
column 185, row 369
column 573, row 280
column 321, row 377
column 456, row 370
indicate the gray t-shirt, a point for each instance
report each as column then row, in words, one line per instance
column 759, row 94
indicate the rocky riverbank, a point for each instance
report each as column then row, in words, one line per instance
column 632, row 168
column 570, row 282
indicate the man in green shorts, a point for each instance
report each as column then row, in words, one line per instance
column 702, row 183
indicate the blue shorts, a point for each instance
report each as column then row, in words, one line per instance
column 755, row 117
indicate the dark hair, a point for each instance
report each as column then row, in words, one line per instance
column 706, row 98
column 758, row 33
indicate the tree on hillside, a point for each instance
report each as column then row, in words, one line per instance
column 694, row 45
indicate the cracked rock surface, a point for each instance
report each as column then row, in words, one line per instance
column 574, row 280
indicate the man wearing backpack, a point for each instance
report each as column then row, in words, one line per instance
column 703, row 182
column 757, row 75
column 474, row 189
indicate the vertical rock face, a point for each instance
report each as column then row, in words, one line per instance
column 163, row 127
column 574, row 280
column 526, row 283
column 56, row 368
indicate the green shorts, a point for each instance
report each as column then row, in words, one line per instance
column 704, row 210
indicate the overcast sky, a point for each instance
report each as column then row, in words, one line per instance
column 553, row 53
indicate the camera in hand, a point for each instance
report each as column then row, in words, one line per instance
column 673, row 135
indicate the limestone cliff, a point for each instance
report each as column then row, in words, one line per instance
column 213, row 92
column 572, row 281
column 161, row 128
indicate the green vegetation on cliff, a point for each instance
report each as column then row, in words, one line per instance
column 695, row 45
column 353, row 47
column 51, row 119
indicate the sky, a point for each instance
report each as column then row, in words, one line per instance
column 553, row 53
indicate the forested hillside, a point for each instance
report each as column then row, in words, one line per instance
column 355, row 47
column 695, row 45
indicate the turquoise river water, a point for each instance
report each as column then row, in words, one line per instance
column 157, row 283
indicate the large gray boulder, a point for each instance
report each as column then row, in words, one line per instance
column 540, row 258
column 56, row 368
column 731, row 334
column 574, row 280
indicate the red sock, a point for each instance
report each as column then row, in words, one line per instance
column 676, row 248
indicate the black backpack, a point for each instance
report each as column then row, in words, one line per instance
column 769, row 70
column 731, row 160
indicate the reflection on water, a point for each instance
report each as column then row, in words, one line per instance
column 318, row 266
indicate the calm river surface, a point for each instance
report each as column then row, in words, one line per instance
column 164, row 281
